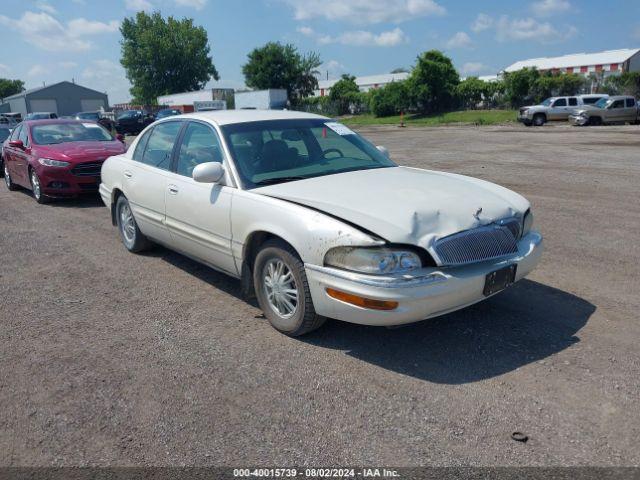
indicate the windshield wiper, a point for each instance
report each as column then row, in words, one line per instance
column 273, row 181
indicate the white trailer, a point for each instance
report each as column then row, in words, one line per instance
column 272, row 99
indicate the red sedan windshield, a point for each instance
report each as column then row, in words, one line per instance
column 54, row 133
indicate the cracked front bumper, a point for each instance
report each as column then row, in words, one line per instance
column 426, row 293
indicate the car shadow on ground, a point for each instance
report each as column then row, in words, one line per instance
column 526, row 323
column 86, row 200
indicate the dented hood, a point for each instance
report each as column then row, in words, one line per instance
column 404, row 205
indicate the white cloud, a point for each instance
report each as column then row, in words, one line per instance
column 460, row 40
column 306, row 31
column 476, row 68
column 482, row 22
column 362, row 38
column 546, row 8
column 46, row 7
column 107, row 76
column 331, row 69
column 197, row 4
column 365, row 11
column 81, row 26
column 508, row 29
column 37, row 70
column 46, row 33
column 138, row 5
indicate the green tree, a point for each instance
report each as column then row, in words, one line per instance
column 519, row 86
column 627, row 83
column 389, row 100
column 10, row 87
column 432, row 82
column 344, row 92
column 471, row 91
column 161, row 56
column 281, row 66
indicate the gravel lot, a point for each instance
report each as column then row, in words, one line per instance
column 110, row 358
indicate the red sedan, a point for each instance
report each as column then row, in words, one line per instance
column 57, row 158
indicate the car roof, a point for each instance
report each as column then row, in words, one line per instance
column 53, row 121
column 227, row 117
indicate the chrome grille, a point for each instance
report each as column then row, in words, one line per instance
column 478, row 244
column 87, row 170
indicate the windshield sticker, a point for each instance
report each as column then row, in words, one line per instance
column 339, row 128
column 91, row 125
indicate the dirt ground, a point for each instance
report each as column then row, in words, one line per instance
column 109, row 358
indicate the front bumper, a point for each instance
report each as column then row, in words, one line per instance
column 578, row 120
column 427, row 293
column 61, row 182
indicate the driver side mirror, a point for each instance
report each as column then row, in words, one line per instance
column 16, row 144
column 209, row 172
column 384, row 151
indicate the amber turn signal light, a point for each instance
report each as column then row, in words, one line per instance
column 361, row 301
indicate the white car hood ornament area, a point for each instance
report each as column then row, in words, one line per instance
column 402, row 204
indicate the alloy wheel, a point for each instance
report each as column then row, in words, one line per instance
column 35, row 184
column 127, row 224
column 280, row 288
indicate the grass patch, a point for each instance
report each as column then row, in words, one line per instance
column 473, row 117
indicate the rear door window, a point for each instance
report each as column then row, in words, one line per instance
column 160, row 145
column 573, row 102
column 631, row 103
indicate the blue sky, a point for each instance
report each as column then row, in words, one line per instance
column 53, row 40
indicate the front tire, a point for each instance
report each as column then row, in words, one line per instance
column 539, row 119
column 7, row 178
column 132, row 238
column 282, row 290
column 36, row 188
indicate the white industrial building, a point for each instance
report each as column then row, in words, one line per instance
column 365, row 83
column 611, row 62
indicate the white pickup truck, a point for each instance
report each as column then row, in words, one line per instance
column 555, row 108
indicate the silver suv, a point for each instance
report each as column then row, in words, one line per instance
column 556, row 108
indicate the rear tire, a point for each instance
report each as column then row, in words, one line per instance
column 132, row 238
column 539, row 119
column 282, row 290
column 7, row 179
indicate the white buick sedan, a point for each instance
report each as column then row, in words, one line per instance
column 315, row 220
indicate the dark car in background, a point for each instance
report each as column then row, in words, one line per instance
column 41, row 116
column 5, row 132
column 168, row 112
column 96, row 117
column 57, row 158
column 132, row 122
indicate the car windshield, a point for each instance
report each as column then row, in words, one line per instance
column 129, row 114
column 547, row 102
column 277, row 151
column 89, row 115
column 601, row 103
column 4, row 134
column 54, row 133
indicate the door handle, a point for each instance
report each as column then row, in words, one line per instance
column 173, row 190
column 128, row 174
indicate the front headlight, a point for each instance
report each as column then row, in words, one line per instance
column 527, row 222
column 375, row 261
column 48, row 162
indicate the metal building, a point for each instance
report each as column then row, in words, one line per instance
column 63, row 98
column 365, row 83
column 610, row 62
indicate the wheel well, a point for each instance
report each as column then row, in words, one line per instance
column 115, row 195
column 250, row 251
column 540, row 114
